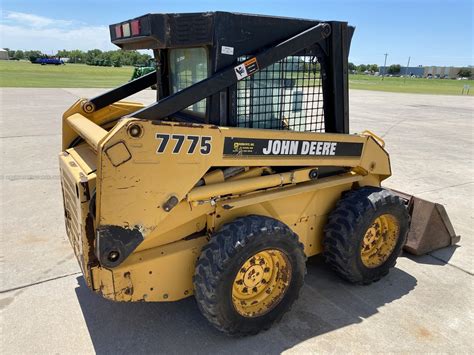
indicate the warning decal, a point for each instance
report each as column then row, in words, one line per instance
column 246, row 68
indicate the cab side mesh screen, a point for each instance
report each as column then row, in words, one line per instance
column 286, row 95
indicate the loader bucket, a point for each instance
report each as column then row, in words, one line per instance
column 430, row 227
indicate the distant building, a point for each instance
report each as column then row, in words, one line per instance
column 3, row 54
column 426, row 72
column 442, row 72
column 417, row 71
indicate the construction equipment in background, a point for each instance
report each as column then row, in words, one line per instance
column 45, row 60
column 242, row 168
column 140, row 70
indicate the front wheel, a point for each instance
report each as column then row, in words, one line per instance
column 365, row 234
column 249, row 274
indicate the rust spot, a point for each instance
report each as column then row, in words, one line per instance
column 284, row 274
column 190, row 125
column 85, row 187
column 160, row 123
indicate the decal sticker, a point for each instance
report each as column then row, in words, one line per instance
column 247, row 68
column 285, row 147
column 178, row 141
column 227, row 50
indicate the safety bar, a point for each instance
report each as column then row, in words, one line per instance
column 87, row 129
column 126, row 90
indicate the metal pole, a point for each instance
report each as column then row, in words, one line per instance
column 406, row 71
column 385, row 65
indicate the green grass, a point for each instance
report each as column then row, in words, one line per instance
column 410, row 85
column 26, row 74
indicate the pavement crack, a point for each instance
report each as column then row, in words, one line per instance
column 39, row 282
column 454, row 266
column 445, row 187
column 30, row 135
column 393, row 126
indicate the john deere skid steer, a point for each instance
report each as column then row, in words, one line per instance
column 241, row 169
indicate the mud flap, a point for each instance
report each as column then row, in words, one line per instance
column 430, row 227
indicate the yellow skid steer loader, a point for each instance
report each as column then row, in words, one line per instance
column 241, row 169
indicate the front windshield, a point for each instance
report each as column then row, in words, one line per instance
column 187, row 67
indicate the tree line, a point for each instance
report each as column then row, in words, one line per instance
column 362, row 68
column 115, row 58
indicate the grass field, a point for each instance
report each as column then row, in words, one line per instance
column 410, row 85
column 25, row 74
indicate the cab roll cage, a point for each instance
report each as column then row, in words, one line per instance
column 332, row 40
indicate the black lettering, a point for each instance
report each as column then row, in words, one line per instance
column 164, row 142
column 179, row 142
column 205, row 145
column 194, row 141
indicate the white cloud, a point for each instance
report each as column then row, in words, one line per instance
column 29, row 31
column 35, row 21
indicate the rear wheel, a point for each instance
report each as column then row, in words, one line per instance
column 365, row 234
column 249, row 274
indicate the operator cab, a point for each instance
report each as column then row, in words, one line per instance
column 287, row 94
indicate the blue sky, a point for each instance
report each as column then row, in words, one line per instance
column 432, row 32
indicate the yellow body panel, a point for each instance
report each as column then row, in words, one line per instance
column 175, row 194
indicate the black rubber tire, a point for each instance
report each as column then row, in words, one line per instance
column 347, row 224
column 222, row 258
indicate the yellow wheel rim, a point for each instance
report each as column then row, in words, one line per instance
column 261, row 283
column 379, row 240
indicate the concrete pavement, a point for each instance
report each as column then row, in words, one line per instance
column 424, row 305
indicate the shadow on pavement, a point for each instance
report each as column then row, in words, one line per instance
column 326, row 303
column 436, row 257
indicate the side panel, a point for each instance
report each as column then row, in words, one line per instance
column 305, row 214
column 144, row 180
column 167, row 160
column 160, row 274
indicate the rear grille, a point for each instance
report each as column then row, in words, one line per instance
column 72, row 208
